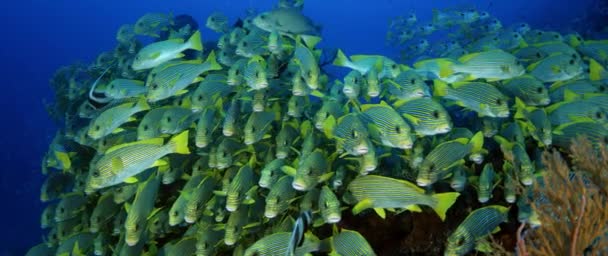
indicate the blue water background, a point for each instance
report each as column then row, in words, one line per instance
column 40, row 36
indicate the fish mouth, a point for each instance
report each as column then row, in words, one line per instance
column 248, row 141
column 406, row 145
column 503, row 114
column 298, row 185
column 527, row 181
column 547, row 142
column 483, row 199
column 373, row 94
column 348, row 90
column 263, row 184
column 231, row 208
column 334, row 218
column 510, row 199
column 477, row 158
column 270, row 214
column 361, row 150
column 298, row 92
column 258, row 108
column 202, row 144
column 369, row 168
column 444, row 129
column 131, row 241
column 227, row 133
column 281, row 155
column 423, row 182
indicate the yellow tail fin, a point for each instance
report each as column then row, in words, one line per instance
column 195, row 41
column 179, row 143
column 341, row 59
column 444, row 202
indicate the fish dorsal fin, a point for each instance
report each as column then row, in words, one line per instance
column 310, row 41
column 468, row 57
column 533, row 65
column 153, row 141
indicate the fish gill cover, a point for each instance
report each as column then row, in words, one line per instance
column 250, row 145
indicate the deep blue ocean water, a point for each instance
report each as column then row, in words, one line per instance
column 40, row 36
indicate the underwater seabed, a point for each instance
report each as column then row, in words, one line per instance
column 493, row 141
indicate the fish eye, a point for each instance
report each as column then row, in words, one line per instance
column 200, row 97
column 354, row 134
column 104, row 142
column 95, row 174
column 413, row 81
column 571, row 62
column 498, row 102
column 154, row 86
column 169, row 119
column 462, row 14
column 495, row 21
column 136, row 227
column 579, row 38
column 397, row 129
column 598, row 115
column 97, row 128
column 156, row 222
column 61, row 210
column 112, row 86
column 538, row 55
column 175, row 213
column 515, row 35
column 263, row 16
column 145, row 127
column 244, row 44
column 556, row 36
column 236, row 72
column 522, row 25
column 539, row 89
column 539, row 33
column 326, row 114
column 574, row 56
column 436, row 114
column 119, row 190
column 212, row 19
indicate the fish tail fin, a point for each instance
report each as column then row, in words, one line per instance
column 440, row 88
column 179, row 143
column 444, row 202
column 445, row 67
column 595, row 70
column 142, row 104
column 195, row 41
column 341, row 59
column 212, row 60
column 477, row 142
column 64, row 158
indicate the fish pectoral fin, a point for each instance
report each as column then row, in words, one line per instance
column 117, row 163
column 159, row 162
column 380, row 212
column 155, row 55
column 362, row 205
column 496, row 230
column 118, row 130
column 325, row 177
column 483, row 245
column 131, row 180
column 413, row 208
column 181, row 92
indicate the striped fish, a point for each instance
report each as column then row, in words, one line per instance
column 426, row 116
column 173, row 79
column 142, row 207
column 492, row 64
column 109, row 120
column 205, row 127
column 236, row 72
column 480, row 97
column 198, row 197
column 353, row 82
column 596, row 132
column 351, row 135
column 258, row 124
column 149, row 126
column 486, row 183
column 311, row 171
column 176, row 119
column 280, row 196
column 576, row 110
column 178, row 209
column 527, row 88
column 379, row 192
column 125, row 88
column 329, row 205
column 309, row 68
column 407, row 85
column 350, row 242
column 477, row 225
column 446, row 155
column 239, row 186
column 228, row 126
column 271, row 173
column 209, row 92
column 388, row 126
column 120, row 163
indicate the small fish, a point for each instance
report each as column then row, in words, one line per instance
column 151, row 23
column 258, row 124
column 426, row 116
column 252, row 44
column 255, row 73
column 120, row 163
column 350, row 133
column 125, row 88
column 575, row 110
column 379, row 192
column 459, row 178
column 217, row 22
column 286, row 21
column 205, row 128
column 309, row 68
column 509, row 183
column 140, row 210
column 210, row 92
column 105, row 209
column 176, row 119
column 492, row 65
column 353, row 82
column 199, row 196
column 185, row 246
column 70, row 206
column 527, row 88
column 564, row 134
column 125, row 33
column 311, row 170
column 149, row 126
column 485, row 183
column 112, row 118
column 174, row 79
column 364, row 63
column 124, row 193
column 329, row 205
column 56, row 184
column 230, row 118
column 47, row 218
column 271, row 173
column 240, row 187
column 349, row 242
column 556, row 67
column 279, row 198
column 446, row 155
column 477, row 225
column 407, row 85
column 480, row 97
column 161, row 52
column 296, row 105
column 331, row 107
column 236, row 72
column 285, row 138
column 388, row 125
column 536, row 122
column 178, row 209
